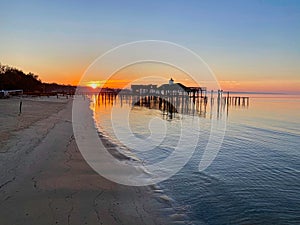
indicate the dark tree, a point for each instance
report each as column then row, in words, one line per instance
column 12, row 78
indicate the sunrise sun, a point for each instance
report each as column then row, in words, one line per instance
column 93, row 84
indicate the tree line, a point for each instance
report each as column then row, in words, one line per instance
column 12, row 78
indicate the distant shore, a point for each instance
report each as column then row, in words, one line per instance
column 45, row 180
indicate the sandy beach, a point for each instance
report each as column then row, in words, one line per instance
column 45, row 180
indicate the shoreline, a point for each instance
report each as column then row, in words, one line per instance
column 123, row 153
column 46, row 180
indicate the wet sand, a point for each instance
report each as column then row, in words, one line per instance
column 45, row 180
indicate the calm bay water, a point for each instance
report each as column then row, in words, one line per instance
column 255, row 178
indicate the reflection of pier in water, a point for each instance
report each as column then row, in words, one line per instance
column 170, row 105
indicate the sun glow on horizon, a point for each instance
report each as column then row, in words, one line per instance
column 93, row 84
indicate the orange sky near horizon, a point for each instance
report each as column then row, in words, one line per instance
column 120, row 80
column 244, row 86
column 124, row 77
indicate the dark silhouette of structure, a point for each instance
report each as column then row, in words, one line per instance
column 170, row 89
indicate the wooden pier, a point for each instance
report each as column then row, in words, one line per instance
column 173, row 98
column 233, row 100
column 171, row 103
column 172, row 90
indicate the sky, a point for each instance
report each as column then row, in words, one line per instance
column 249, row 45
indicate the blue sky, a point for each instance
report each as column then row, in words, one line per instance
column 240, row 40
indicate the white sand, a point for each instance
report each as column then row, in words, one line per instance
column 44, row 179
